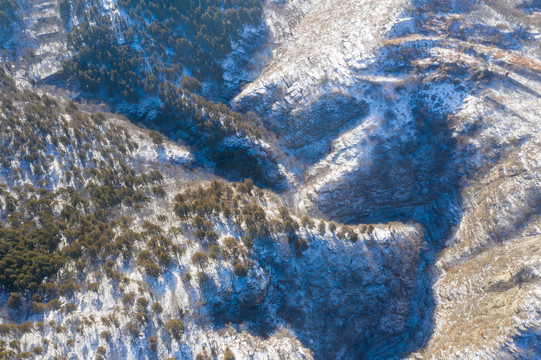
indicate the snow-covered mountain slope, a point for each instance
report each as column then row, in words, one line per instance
column 496, row 243
column 55, row 150
column 140, row 256
column 417, row 123
column 317, row 297
column 307, row 89
column 436, row 121
column 421, row 117
column 36, row 45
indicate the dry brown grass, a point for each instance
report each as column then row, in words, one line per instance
column 481, row 301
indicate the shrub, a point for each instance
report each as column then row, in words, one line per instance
column 15, row 301
column 38, row 307
column 198, row 222
column 241, row 270
column 157, row 308
column 202, row 277
column 191, row 84
column 307, row 222
column 214, row 251
column 26, row 327
column 106, row 335
column 5, row 329
column 142, row 303
column 228, row 355
column 284, row 213
column 302, row 244
column 247, row 241
column 156, row 137
column 93, row 286
column 70, row 307
column 370, row 229
column 200, row 258
column 15, row 344
column 200, row 234
column 80, row 265
column 242, row 188
column 164, row 259
column 67, row 289
column 40, row 326
column 177, row 250
column 128, row 298
column 321, row 228
column 152, row 343
column 175, row 328
column 101, row 350
column 141, row 317
column 144, row 259
column 230, row 246
column 211, row 236
column 158, row 191
column 289, row 228
column 131, row 329
column 249, row 184
column 347, row 232
column 332, row 227
column 175, row 231
column 54, row 304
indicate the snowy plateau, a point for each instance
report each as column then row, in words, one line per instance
column 340, row 179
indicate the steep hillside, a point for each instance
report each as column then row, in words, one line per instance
column 80, row 189
column 152, row 63
column 112, row 246
column 349, row 179
column 432, row 115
